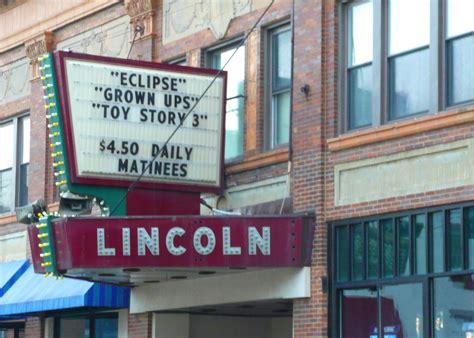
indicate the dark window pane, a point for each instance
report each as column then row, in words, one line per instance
column 281, row 109
column 437, row 228
column 106, row 327
column 234, row 144
column 402, row 310
column 360, row 97
column 74, row 327
column 409, row 83
column 6, row 190
column 403, row 225
column 460, row 65
column 454, row 307
column 357, row 252
column 358, row 313
column 455, row 238
column 373, row 249
column 281, row 60
column 419, row 234
column 342, row 255
column 470, row 236
column 23, row 184
column 387, row 248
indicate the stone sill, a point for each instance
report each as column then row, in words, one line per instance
column 402, row 129
column 257, row 161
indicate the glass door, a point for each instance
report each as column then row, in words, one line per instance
column 395, row 310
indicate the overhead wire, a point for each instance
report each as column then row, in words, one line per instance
column 137, row 180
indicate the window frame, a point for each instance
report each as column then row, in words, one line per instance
column 179, row 60
column 208, row 60
column 269, row 140
column 16, row 161
column 438, row 68
column 427, row 278
column 91, row 317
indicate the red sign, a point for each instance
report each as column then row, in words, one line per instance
column 92, row 243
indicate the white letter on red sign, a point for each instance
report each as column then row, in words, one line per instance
column 228, row 249
column 151, row 243
column 101, row 249
column 263, row 242
column 126, row 241
column 175, row 251
column 211, row 241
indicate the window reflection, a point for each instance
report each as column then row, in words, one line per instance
column 359, row 313
column 234, row 120
column 402, row 311
column 454, row 307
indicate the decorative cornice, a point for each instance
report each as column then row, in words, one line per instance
column 142, row 17
column 50, row 24
column 402, row 129
column 37, row 46
column 138, row 7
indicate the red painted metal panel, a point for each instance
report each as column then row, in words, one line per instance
column 77, row 245
column 60, row 58
column 154, row 202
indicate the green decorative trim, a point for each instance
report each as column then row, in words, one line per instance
column 106, row 197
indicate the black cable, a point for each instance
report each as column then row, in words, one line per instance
column 138, row 29
column 134, row 183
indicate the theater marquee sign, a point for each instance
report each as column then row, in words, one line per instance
column 119, row 115
column 172, row 242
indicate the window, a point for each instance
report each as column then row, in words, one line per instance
column 95, row 325
column 14, row 134
column 234, row 120
column 181, row 61
column 396, row 64
column 392, row 273
column 279, row 69
column 359, row 72
column 459, row 51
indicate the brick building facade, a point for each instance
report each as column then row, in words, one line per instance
column 391, row 171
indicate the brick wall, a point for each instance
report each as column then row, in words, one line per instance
column 140, row 325
column 34, row 327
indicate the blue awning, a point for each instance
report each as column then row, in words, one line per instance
column 33, row 293
column 10, row 272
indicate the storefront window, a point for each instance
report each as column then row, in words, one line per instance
column 437, row 228
column 106, row 327
column 454, row 307
column 419, row 229
column 401, row 270
column 359, row 313
column 403, row 232
column 455, row 239
column 372, row 249
column 342, row 238
column 387, row 248
column 93, row 326
column 358, row 252
column 470, row 236
column 402, row 310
